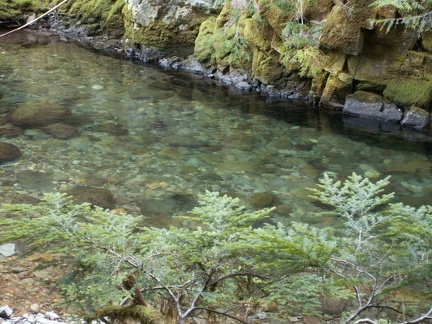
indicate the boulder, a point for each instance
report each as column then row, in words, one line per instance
column 38, row 114
column 371, row 105
column 8, row 152
column 416, row 117
column 95, row 196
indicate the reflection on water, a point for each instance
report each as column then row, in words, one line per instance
column 157, row 139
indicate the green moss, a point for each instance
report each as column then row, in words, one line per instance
column 224, row 44
column 342, row 29
column 266, row 67
column 121, row 314
column 18, row 9
column 408, row 92
column 164, row 35
column 202, row 52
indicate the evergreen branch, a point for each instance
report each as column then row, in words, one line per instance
column 239, row 274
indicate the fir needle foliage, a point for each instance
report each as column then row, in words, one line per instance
column 414, row 14
column 220, row 264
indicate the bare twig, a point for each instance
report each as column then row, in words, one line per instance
column 31, row 22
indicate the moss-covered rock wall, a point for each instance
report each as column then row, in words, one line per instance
column 321, row 50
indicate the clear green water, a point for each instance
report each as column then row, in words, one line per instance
column 157, row 139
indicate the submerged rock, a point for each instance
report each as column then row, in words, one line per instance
column 167, row 206
column 35, row 180
column 96, row 196
column 9, row 130
column 38, row 114
column 8, row 152
column 60, row 130
column 263, row 199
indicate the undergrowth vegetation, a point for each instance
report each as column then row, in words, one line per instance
column 219, row 264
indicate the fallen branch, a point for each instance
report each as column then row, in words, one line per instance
column 31, row 22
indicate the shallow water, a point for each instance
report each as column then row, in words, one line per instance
column 157, row 139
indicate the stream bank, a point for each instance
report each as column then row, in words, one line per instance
column 348, row 64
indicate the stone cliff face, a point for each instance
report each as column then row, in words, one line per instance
column 325, row 51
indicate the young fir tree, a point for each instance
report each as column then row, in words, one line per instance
column 191, row 270
column 220, row 265
column 378, row 250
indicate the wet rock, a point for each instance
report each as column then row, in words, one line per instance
column 93, row 195
column 8, row 152
column 284, row 210
column 416, row 117
column 263, row 199
column 60, row 130
column 371, row 105
column 35, row 180
column 38, row 114
column 9, row 130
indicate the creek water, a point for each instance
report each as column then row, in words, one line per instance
column 157, row 139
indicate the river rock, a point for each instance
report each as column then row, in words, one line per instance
column 415, row 117
column 7, row 249
column 10, row 130
column 60, row 130
column 111, row 128
column 371, row 105
column 8, row 152
column 263, row 199
column 184, row 141
column 93, row 195
column 38, row 114
column 35, row 180
column 5, row 312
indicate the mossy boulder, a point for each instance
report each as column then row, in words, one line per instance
column 409, row 92
column 202, row 51
column 265, row 60
column 266, row 67
column 335, row 92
